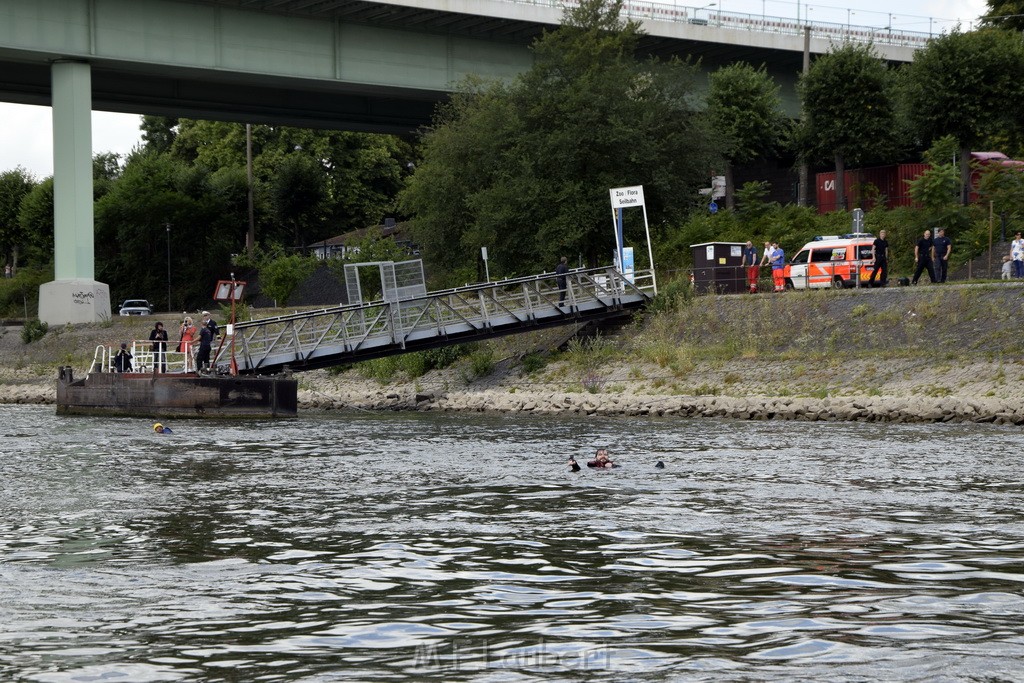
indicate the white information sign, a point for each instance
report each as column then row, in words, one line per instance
column 626, row 197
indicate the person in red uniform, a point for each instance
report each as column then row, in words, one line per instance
column 779, row 268
column 750, row 263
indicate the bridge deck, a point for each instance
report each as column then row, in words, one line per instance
column 343, row 334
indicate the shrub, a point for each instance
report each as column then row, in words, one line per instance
column 414, row 364
column 19, row 296
column 481, row 362
column 380, row 369
column 533, row 362
column 672, row 295
column 33, row 330
column 446, row 355
column 589, row 354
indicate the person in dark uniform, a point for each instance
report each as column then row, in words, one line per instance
column 923, row 257
column 561, row 270
column 209, row 322
column 943, row 248
column 158, row 335
column 880, row 253
column 205, row 344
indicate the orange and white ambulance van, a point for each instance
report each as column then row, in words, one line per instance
column 832, row 261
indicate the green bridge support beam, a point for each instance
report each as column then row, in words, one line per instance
column 74, row 296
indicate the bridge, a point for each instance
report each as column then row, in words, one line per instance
column 362, row 331
column 370, row 65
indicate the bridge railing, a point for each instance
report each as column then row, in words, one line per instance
column 484, row 307
column 703, row 16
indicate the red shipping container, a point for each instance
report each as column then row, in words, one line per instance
column 865, row 186
column 905, row 174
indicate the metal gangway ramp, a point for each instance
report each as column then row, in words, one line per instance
column 361, row 331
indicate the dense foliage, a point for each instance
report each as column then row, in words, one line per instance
column 968, row 85
column 743, row 105
column 525, row 168
column 843, row 128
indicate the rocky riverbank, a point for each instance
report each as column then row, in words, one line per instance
column 980, row 399
column 901, row 392
column 928, row 355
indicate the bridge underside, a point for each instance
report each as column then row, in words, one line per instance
column 211, row 95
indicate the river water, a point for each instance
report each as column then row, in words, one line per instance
column 390, row 547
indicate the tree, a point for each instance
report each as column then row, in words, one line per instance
column 15, row 185
column 36, row 221
column 279, row 277
column 1005, row 14
column 849, row 109
column 158, row 132
column 967, row 85
column 157, row 192
column 743, row 105
column 355, row 175
column 299, row 197
column 525, row 168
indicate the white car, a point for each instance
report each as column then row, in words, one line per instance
column 136, row 307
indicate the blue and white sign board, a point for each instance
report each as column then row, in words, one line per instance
column 628, row 198
column 713, row 207
column 626, row 267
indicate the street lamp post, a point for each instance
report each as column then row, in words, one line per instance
column 168, row 226
column 250, row 235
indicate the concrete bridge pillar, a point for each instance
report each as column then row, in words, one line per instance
column 74, row 296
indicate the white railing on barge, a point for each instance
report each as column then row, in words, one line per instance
column 144, row 358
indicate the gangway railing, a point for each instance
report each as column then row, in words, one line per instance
column 348, row 333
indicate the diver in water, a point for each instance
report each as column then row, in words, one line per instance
column 660, row 465
column 160, row 429
column 601, row 460
column 573, row 465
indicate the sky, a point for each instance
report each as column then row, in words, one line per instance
column 26, row 138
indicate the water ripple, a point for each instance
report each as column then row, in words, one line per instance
column 439, row 547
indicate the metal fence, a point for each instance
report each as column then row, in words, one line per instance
column 762, row 23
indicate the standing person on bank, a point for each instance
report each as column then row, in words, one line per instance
column 158, row 335
column 943, row 248
column 923, row 257
column 205, row 346
column 778, row 267
column 209, row 322
column 767, row 258
column 1017, row 255
column 187, row 334
column 750, row 263
column 880, row 253
column 561, row 270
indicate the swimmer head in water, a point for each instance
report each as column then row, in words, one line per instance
column 573, row 465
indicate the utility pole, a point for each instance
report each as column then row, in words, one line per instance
column 250, row 236
column 168, row 226
column 801, row 193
